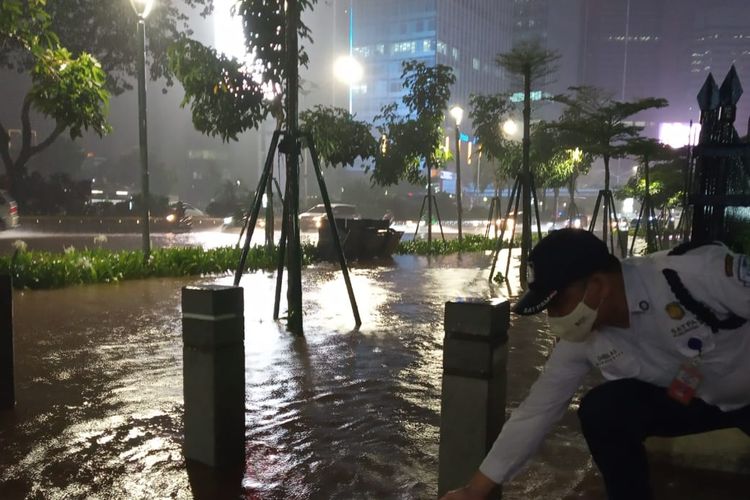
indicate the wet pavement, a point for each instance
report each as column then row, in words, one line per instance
column 337, row 414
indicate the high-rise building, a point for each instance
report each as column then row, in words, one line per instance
column 463, row 34
column 558, row 26
column 664, row 48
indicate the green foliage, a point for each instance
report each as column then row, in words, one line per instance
column 24, row 25
column 530, row 60
column 224, row 98
column 470, row 243
column 597, row 124
column 666, row 183
column 339, row 138
column 106, row 29
column 70, row 91
column 408, row 142
column 488, row 112
column 66, row 88
column 228, row 96
column 263, row 22
column 41, row 270
column 44, row 270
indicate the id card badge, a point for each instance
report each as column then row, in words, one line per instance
column 686, row 382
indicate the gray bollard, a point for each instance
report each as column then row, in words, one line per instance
column 214, row 374
column 7, row 382
column 475, row 353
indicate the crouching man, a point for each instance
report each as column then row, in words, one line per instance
column 670, row 335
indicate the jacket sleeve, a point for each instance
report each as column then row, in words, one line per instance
column 718, row 277
column 546, row 403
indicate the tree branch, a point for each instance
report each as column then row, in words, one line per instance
column 27, row 150
column 59, row 129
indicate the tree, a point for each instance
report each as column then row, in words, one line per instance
column 652, row 188
column 90, row 45
column 487, row 114
column 533, row 63
column 599, row 124
column 105, row 29
column 339, row 137
column 408, row 143
column 66, row 88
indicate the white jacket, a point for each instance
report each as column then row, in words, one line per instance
column 651, row 349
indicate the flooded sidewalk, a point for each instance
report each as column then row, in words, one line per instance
column 337, row 414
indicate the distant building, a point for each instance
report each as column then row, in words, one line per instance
column 719, row 38
column 463, row 34
column 559, row 27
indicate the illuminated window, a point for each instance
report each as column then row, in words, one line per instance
column 455, row 53
column 475, row 63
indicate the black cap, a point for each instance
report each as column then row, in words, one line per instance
column 559, row 260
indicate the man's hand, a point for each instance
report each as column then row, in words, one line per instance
column 478, row 488
column 464, row 493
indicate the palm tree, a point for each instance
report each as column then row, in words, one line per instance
column 533, row 63
column 599, row 125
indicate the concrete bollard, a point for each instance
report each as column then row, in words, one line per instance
column 214, row 374
column 474, row 378
column 7, row 379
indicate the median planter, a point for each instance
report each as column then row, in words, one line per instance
column 361, row 239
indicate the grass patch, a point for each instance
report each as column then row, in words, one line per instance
column 470, row 243
column 42, row 270
column 45, row 270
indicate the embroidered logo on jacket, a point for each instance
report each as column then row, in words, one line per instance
column 675, row 311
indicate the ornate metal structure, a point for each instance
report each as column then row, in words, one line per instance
column 720, row 187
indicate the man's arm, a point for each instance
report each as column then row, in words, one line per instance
column 524, row 432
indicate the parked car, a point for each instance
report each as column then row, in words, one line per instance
column 8, row 211
column 310, row 220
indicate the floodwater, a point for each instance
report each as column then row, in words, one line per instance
column 336, row 414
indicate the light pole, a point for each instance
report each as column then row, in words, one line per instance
column 458, row 113
column 143, row 9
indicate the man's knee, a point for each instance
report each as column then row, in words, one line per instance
column 610, row 405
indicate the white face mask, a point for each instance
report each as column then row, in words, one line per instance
column 575, row 326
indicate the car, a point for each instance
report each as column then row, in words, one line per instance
column 8, row 211
column 311, row 219
column 577, row 221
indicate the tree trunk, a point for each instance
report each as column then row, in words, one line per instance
column 555, row 205
column 572, row 207
column 605, row 201
column 526, row 177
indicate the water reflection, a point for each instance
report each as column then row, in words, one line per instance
column 337, row 414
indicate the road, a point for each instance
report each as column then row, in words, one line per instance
column 214, row 238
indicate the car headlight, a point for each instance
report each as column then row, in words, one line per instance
column 171, row 218
column 228, row 220
column 577, row 223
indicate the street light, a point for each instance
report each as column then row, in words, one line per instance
column 510, row 127
column 349, row 71
column 142, row 9
column 458, row 113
